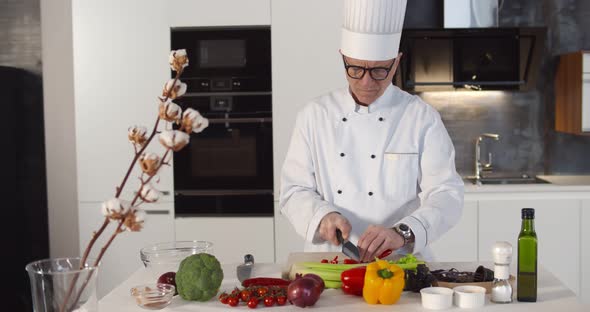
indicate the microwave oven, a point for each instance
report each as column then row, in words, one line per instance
column 225, row 59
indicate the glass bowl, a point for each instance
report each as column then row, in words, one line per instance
column 153, row 296
column 166, row 257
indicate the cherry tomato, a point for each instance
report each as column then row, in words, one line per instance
column 262, row 291
column 252, row 303
column 385, row 254
column 325, row 261
column 281, row 300
column 335, row 260
column 269, row 301
column 223, row 298
column 349, row 261
column 233, row 301
column 245, row 295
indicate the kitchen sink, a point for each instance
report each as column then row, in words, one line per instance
column 522, row 179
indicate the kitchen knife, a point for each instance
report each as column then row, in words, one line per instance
column 348, row 248
column 244, row 271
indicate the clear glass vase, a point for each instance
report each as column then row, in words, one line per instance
column 60, row 285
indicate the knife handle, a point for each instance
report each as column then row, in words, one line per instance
column 339, row 236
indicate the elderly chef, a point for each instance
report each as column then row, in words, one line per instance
column 371, row 160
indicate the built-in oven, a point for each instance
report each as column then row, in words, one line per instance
column 226, row 170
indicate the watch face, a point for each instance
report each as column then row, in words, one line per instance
column 403, row 227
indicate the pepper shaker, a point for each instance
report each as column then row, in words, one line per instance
column 501, row 287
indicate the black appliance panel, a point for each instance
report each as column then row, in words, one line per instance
column 224, row 59
column 226, row 170
column 494, row 59
column 234, row 152
column 224, row 204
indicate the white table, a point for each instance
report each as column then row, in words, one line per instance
column 552, row 296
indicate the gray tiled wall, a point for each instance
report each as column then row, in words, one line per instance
column 524, row 120
column 20, row 34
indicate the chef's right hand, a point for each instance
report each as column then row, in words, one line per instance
column 330, row 223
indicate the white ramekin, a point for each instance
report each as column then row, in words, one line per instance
column 470, row 296
column 436, row 298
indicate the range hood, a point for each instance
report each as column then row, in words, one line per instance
column 470, row 58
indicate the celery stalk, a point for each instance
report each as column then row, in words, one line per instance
column 333, row 284
column 329, row 266
column 326, row 275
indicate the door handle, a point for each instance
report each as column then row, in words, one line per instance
column 157, row 212
column 240, row 120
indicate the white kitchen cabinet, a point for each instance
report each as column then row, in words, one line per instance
column 286, row 239
column 585, row 252
column 122, row 257
column 556, row 224
column 191, row 13
column 460, row 243
column 120, row 67
column 232, row 237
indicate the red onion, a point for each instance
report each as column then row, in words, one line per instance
column 303, row 292
column 320, row 282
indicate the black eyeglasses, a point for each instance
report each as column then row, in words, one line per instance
column 358, row 72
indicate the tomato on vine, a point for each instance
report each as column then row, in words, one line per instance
column 245, row 295
column 223, row 298
column 233, row 301
column 281, row 300
column 262, row 291
column 252, row 303
column 269, row 301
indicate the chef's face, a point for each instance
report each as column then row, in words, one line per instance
column 367, row 89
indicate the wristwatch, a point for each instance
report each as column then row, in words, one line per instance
column 405, row 232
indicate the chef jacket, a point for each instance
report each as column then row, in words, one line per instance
column 386, row 163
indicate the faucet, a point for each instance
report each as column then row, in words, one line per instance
column 479, row 166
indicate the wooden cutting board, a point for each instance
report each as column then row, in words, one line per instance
column 290, row 268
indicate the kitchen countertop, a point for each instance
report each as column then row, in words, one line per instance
column 557, row 183
column 552, row 296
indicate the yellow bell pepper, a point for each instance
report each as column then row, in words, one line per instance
column 384, row 283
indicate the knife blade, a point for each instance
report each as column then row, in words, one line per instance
column 244, row 270
column 348, row 248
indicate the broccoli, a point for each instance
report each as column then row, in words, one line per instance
column 199, row 277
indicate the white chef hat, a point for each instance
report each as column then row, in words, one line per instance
column 372, row 29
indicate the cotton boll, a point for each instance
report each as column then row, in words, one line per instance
column 174, row 139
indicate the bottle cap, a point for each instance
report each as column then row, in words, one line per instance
column 528, row 213
column 502, row 252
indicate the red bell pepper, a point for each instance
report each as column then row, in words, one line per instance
column 353, row 280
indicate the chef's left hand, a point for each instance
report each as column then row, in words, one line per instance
column 376, row 240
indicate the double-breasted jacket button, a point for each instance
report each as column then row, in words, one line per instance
column 370, row 193
column 339, row 191
column 380, row 118
column 344, row 119
column 373, row 156
column 342, row 154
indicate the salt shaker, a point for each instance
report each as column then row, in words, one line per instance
column 501, row 288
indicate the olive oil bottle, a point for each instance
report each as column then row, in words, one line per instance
column 526, row 287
